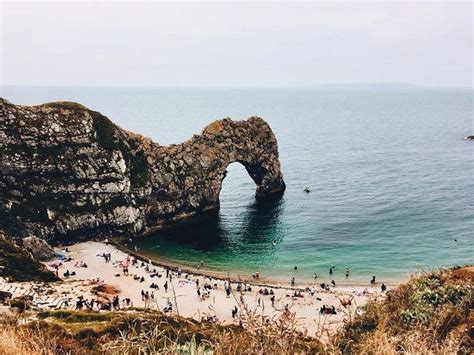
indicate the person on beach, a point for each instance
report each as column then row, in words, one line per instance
column 373, row 280
column 333, row 283
column 146, row 299
column 168, row 307
column 166, row 286
column 292, row 281
column 234, row 312
column 327, row 310
column 345, row 301
column 116, row 303
column 383, row 287
column 315, row 276
column 79, row 304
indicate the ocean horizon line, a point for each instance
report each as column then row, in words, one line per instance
column 356, row 86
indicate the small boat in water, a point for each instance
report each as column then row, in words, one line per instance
column 307, row 190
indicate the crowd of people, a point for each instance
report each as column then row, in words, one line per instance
column 113, row 304
column 153, row 280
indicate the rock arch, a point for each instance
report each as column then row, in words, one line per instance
column 198, row 166
column 68, row 170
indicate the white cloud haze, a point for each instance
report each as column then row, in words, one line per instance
column 235, row 44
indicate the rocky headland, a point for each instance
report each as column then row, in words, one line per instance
column 70, row 173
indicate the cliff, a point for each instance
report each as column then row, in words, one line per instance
column 69, row 172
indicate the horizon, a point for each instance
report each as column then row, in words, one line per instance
column 349, row 85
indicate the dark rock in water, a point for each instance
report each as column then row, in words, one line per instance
column 69, row 172
column 470, row 138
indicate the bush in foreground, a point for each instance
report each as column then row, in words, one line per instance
column 431, row 313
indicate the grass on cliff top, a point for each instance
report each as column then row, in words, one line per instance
column 17, row 265
column 430, row 314
column 65, row 105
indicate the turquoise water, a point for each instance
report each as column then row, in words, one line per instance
column 391, row 177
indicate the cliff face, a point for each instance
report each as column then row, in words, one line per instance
column 67, row 171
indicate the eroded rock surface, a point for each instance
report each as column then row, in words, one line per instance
column 67, row 171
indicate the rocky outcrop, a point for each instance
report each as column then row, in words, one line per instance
column 38, row 248
column 67, row 171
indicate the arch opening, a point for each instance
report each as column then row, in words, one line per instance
column 237, row 187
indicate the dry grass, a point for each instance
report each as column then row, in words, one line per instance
column 36, row 338
column 151, row 332
column 430, row 314
column 105, row 290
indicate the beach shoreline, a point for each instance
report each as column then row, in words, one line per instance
column 263, row 280
column 199, row 296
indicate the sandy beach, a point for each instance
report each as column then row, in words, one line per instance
column 182, row 291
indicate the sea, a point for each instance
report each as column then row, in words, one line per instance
column 390, row 174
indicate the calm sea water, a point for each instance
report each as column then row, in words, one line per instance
column 391, row 178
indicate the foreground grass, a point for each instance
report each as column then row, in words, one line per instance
column 430, row 314
column 149, row 332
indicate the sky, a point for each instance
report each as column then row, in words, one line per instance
column 231, row 44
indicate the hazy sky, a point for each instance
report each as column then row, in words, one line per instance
column 236, row 44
